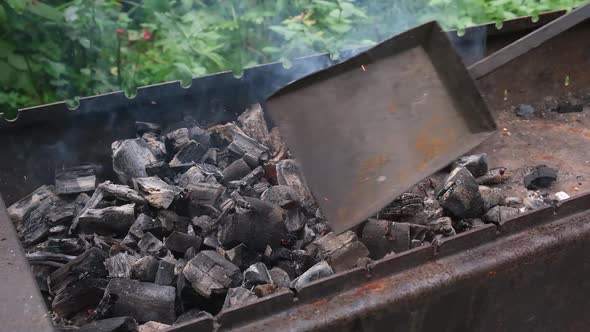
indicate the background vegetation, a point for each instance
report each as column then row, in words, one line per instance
column 53, row 50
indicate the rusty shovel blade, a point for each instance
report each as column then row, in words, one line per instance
column 368, row 129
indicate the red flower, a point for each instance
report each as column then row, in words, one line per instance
column 120, row 31
column 147, row 35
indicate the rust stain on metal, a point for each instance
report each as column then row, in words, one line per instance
column 370, row 167
column 371, row 287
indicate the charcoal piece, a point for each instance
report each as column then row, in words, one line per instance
column 96, row 198
column 193, row 176
column 192, row 314
column 243, row 144
column 318, row 271
column 180, row 242
column 57, row 230
column 494, row 176
column 110, row 220
column 513, row 201
column 157, row 147
column 294, row 220
column 143, row 224
column 211, row 170
column 209, row 273
column 205, row 193
column 89, row 264
column 321, row 228
column 75, row 180
column 145, row 269
column 79, row 295
column 150, row 245
column 289, row 173
column 277, row 145
column 540, row 177
column 256, row 274
column 382, row 237
column 525, row 111
column 253, row 177
column 302, row 261
column 190, row 253
column 417, row 232
column 281, row 195
column 35, row 228
column 38, row 256
column 119, row 265
column 260, row 187
column 121, row 192
column 442, row 226
column 20, row 210
column 253, row 124
column 142, row 300
column 117, row 324
column 477, row 164
column 210, row 241
column 415, row 244
column 203, row 225
column 172, row 221
column 274, row 255
column 279, row 277
column 147, row 127
column 177, row 139
column 491, row 197
column 200, row 136
column 190, row 154
column 406, row 205
column 165, row 273
column 241, row 256
column 459, row 194
column 156, row 192
column 211, row 156
column 130, row 157
column 499, row 215
column 251, row 160
column 341, row 251
column 569, row 108
column 256, row 227
column 238, row 296
column 308, row 235
column 160, row 169
column 68, row 246
column 152, row 326
column 60, row 213
column 235, row 171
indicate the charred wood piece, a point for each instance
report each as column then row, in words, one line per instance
column 459, row 194
column 188, row 155
column 68, row 246
column 205, row 193
column 383, row 237
column 279, row 277
column 97, row 196
column 318, row 271
column 253, row 124
column 150, row 245
column 39, row 256
column 282, row 195
column 241, row 256
column 191, row 177
column 147, row 127
column 60, row 213
column 117, row 324
column 209, row 273
column 200, row 136
column 494, row 176
column 130, row 157
column 499, row 215
column 407, row 205
column 111, row 220
column 20, row 210
column 35, row 228
column 177, row 139
column 540, row 177
column 121, row 192
column 238, row 296
column 75, row 180
column 165, row 273
column 119, row 265
column 341, row 251
column 160, row 169
column 243, row 144
column 235, row 171
column 145, row 269
column 477, row 164
column 83, row 294
column 156, row 192
column 289, row 173
column 171, row 221
column 180, row 242
column 256, row 274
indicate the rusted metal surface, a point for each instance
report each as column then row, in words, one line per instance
column 410, row 94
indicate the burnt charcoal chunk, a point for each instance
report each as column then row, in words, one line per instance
column 442, row 226
column 540, row 177
column 256, row 274
column 491, row 197
column 180, row 242
column 205, row 193
column 35, row 228
column 236, row 170
column 156, row 192
column 237, row 297
column 147, row 127
column 295, row 220
column 119, row 265
column 145, row 269
column 242, row 145
column 165, row 273
column 459, row 194
column 241, row 256
column 39, row 256
column 569, row 108
column 152, row 326
column 160, row 169
column 121, row 192
column 279, row 277
column 260, row 225
column 192, row 314
column 193, row 176
column 209, row 273
column 289, row 173
column 253, row 124
column 90, row 263
column 75, row 180
column 525, row 111
column 318, row 271
column 494, row 176
column 265, row 290
column 91, row 203
column 117, row 324
column 150, row 245
column 177, row 139
column 190, row 154
column 499, row 214
column 341, row 251
column 283, row 196
column 60, row 213
column 253, row 177
column 203, row 225
column 477, row 164
column 302, row 261
column 130, row 158
column 142, row 300
column 110, row 220
column 200, row 136
column 173, row 222
column 68, row 246
column 78, row 296
column 20, row 210
column 143, row 224
column 382, row 237
column 406, row 205
column 190, row 253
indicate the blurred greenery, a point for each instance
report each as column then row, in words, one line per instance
column 54, row 50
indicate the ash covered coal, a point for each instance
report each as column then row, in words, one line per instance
column 203, row 219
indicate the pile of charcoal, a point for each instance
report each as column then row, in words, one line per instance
column 202, row 220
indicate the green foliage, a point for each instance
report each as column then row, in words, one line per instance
column 53, row 50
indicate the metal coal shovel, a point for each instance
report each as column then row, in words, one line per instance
column 368, row 129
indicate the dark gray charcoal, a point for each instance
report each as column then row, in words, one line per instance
column 243, row 144
column 253, row 177
column 265, row 290
column 60, row 213
column 121, row 192
column 477, row 164
column 80, row 295
column 493, row 176
column 119, row 265
column 294, row 220
column 177, row 139
column 35, row 228
column 341, row 251
column 156, row 192
column 20, row 210
column 147, row 127
column 68, row 246
column 145, row 269
column 540, row 177
column 203, row 225
column 253, row 124
column 513, row 201
column 260, row 225
column 165, row 273
column 39, row 256
column 211, row 242
column 205, row 193
column 491, row 197
column 569, row 108
column 130, row 157
column 525, row 111
column 256, row 274
column 75, row 180
column 201, row 136
column 318, row 271
column 90, row 263
column 241, row 256
column 142, row 300
column 111, row 220
column 194, row 175
column 192, row 314
column 157, row 147
column 152, row 326
column 209, row 273
column 281, row 195
column 238, row 296
column 459, row 194
column 289, row 173
column 382, row 237
column 406, row 205
column 499, row 214
column 160, row 169
column 117, row 324
column 171, row 221
column 190, row 154
column 235, row 171
column 150, row 245
column 279, row 277
column 142, row 224
column 180, row 242
column 91, row 203
column 303, row 260
column 442, row 226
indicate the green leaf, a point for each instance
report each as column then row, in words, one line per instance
column 40, row 9
column 183, row 72
column 71, row 14
column 85, row 42
column 17, row 5
column 17, row 61
column 2, row 15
